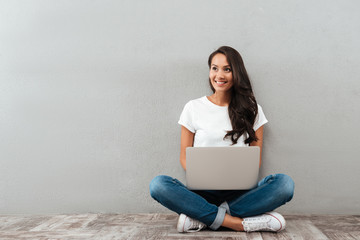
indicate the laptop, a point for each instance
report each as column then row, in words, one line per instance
column 222, row 168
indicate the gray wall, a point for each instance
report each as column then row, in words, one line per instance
column 91, row 92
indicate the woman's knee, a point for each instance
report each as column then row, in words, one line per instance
column 286, row 185
column 158, row 185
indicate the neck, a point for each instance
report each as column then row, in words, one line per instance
column 221, row 98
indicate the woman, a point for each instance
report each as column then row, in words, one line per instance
column 229, row 117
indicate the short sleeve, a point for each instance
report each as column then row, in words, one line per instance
column 260, row 119
column 186, row 117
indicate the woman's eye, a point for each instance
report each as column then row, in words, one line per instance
column 214, row 68
column 227, row 70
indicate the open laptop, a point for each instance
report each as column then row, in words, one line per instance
column 222, row 168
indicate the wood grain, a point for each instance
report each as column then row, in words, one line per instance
column 163, row 226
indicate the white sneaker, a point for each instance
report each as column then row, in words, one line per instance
column 271, row 221
column 186, row 224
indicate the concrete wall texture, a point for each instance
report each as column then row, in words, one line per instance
column 91, row 92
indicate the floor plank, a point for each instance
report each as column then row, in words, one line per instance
column 163, row 226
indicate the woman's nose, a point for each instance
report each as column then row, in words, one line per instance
column 220, row 75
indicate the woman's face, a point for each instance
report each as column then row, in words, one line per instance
column 220, row 75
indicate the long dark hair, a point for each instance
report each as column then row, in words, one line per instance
column 243, row 106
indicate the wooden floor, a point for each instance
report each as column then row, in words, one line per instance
column 162, row 226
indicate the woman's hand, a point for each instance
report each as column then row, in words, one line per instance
column 187, row 140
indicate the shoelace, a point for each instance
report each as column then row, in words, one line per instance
column 254, row 226
column 257, row 219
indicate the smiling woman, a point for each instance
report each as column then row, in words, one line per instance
column 229, row 117
column 231, row 82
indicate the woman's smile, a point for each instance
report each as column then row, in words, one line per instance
column 220, row 83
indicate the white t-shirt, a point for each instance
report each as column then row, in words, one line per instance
column 211, row 122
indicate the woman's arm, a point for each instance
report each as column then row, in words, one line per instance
column 259, row 142
column 187, row 140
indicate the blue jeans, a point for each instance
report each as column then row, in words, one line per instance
column 210, row 206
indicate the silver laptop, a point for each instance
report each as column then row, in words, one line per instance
column 222, row 168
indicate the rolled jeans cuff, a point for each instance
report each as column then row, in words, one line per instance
column 219, row 219
column 226, row 206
